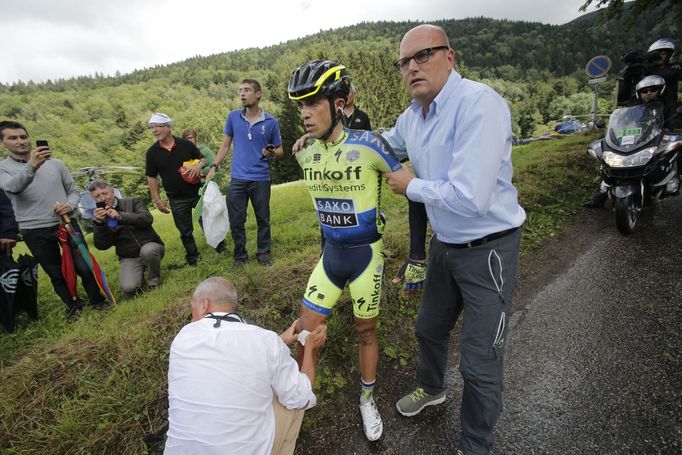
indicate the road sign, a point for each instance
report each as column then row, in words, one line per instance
column 598, row 66
column 597, row 80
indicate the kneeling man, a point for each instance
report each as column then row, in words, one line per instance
column 127, row 225
column 233, row 387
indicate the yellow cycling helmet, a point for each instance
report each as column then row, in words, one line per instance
column 319, row 77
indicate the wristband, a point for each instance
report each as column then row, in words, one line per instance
column 213, row 166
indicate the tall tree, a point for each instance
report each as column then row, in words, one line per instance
column 616, row 8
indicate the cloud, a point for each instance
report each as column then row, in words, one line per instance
column 67, row 38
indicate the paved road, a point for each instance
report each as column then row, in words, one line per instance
column 594, row 365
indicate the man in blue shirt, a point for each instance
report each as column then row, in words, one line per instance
column 457, row 134
column 256, row 139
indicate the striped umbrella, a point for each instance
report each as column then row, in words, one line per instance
column 88, row 258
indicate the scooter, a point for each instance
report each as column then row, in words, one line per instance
column 638, row 161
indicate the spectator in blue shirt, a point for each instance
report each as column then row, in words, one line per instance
column 457, row 134
column 255, row 137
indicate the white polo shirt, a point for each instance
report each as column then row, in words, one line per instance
column 220, row 385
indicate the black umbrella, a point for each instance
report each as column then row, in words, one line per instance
column 9, row 276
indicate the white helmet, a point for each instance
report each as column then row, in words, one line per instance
column 662, row 44
column 650, row 81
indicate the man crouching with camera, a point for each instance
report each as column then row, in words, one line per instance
column 126, row 224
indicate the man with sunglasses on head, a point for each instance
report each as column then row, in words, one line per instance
column 457, row 135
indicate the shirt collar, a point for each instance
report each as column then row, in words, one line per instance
column 216, row 313
column 171, row 147
column 342, row 137
column 260, row 118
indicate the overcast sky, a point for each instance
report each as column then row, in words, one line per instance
column 52, row 39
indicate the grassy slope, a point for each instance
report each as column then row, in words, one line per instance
column 99, row 385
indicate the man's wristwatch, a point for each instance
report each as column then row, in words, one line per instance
column 214, row 165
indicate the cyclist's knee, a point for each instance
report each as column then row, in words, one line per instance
column 309, row 319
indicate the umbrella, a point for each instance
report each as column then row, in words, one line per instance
column 68, row 267
column 26, row 297
column 88, row 258
column 9, row 275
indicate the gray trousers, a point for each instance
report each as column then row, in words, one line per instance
column 480, row 282
column 132, row 269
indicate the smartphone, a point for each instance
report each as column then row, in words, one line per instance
column 41, row 143
column 271, row 150
column 100, row 204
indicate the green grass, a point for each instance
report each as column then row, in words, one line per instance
column 99, row 385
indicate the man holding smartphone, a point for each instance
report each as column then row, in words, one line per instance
column 256, row 139
column 42, row 190
column 126, row 224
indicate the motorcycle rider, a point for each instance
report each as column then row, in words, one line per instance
column 658, row 58
column 656, row 61
column 650, row 89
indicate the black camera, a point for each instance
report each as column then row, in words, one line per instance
column 632, row 56
column 100, row 204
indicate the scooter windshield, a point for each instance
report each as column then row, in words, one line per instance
column 632, row 127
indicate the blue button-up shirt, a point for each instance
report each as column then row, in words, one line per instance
column 461, row 154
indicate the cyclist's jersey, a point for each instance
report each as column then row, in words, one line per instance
column 344, row 180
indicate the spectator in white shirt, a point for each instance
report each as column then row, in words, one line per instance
column 234, row 387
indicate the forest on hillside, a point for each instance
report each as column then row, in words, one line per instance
column 538, row 68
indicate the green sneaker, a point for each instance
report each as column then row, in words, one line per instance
column 412, row 404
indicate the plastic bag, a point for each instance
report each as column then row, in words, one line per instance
column 215, row 219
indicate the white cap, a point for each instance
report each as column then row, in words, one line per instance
column 160, row 118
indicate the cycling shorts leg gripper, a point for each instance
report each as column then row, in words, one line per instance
column 321, row 293
column 338, row 266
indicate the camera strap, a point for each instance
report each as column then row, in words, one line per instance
column 230, row 317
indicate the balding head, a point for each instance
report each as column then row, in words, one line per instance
column 425, row 80
column 215, row 294
column 428, row 31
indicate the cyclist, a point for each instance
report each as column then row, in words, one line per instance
column 343, row 173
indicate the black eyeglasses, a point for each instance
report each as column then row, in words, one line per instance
column 420, row 57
